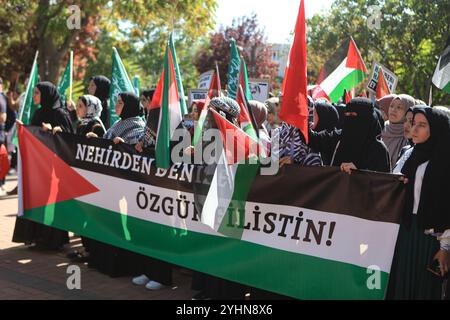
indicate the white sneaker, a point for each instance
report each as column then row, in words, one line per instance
column 3, row 192
column 153, row 285
column 141, row 280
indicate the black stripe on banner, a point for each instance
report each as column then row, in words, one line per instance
column 363, row 194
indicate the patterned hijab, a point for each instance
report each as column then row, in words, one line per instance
column 93, row 109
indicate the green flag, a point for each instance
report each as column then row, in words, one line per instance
column 233, row 71
column 178, row 75
column 137, row 85
column 120, row 82
column 28, row 107
column 66, row 80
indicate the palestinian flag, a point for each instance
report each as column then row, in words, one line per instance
column 158, row 95
column 214, row 91
column 441, row 77
column 382, row 86
column 224, row 205
column 120, row 82
column 170, row 115
column 65, row 83
column 306, row 232
column 347, row 75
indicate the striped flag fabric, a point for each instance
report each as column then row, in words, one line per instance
column 350, row 72
column 171, row 113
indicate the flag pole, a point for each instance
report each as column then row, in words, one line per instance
column 430, row 97
column 71, row 74
column 218, row 80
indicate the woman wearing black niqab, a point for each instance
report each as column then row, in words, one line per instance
column 357, row 144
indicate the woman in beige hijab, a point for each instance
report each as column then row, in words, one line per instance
column 393, row 133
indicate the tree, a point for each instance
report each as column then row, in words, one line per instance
column 411, row 37
column 42, row 25
column 251, row 41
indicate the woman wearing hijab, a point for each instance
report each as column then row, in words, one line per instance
column 89, row 110
column 427, row 211
column 326, row 118
column 130, row 128
column 259, row 111
column 384, row 103
column 356, row 146
column 407, row 149
column 151, row 125
column 99, row 86
column 393, row 134
column 49, row 116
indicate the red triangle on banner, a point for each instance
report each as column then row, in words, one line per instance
column 47, row 179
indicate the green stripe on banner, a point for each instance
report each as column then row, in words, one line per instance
column 248, row 263
column 349, row 82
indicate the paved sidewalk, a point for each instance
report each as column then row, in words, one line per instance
column 30, row 274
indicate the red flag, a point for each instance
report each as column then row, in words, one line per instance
column 237, row 144
column 158, row 95
column 382, row 87
column 294, row 107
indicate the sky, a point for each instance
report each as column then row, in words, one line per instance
column 277, row 16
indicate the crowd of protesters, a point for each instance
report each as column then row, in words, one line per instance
column 397, row 134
